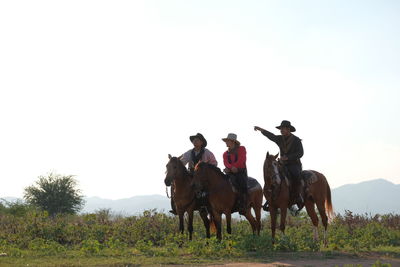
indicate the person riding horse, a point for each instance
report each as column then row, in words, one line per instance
column 192, row 157
column 291, row 150
column 235, row 164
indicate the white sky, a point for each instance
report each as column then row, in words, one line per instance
column 105, row 90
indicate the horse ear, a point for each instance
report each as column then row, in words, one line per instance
column 267, row 154
column 276, row 156
column 169, row 156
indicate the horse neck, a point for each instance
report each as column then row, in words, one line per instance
column 183, row 181
column 215, row 179
column 268, row 174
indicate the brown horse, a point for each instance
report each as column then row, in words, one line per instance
column 185, row 198
column 222, row 197
column 276, row 191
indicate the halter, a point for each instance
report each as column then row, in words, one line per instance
column 276, row 177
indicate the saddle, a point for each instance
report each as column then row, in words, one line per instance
column 251, row 184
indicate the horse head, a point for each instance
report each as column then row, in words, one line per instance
column 271, row 172
column 175, row 169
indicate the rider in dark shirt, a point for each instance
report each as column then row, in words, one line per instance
column 291, row 150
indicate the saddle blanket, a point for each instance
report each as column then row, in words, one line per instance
column 309, row 177
column 251, row 184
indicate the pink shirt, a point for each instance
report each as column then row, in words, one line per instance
column 208, row 157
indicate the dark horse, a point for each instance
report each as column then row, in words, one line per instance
column 184, row 195
column 222, row 197
column 276, row 191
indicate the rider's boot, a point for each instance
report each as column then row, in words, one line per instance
column 243, row 204
column 299, row 196
column 202, row 198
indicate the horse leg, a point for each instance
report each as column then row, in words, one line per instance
column 257, row 211
column 283, row 218
column 273, row 213
column 251, row 220
column 314, row 218
column 228, row 222
column 257, row 206
column 324, row 219
column 217, row 221
column 181, row 226
column 190, row 224
column 206, row 222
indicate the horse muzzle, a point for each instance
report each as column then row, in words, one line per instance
column 168, row 181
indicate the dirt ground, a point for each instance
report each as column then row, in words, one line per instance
column 314, row 263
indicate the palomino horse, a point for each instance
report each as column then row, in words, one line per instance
column 222, row 197
column 185, row 198
column 276, row 191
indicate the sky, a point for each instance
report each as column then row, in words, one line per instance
column 105, row 90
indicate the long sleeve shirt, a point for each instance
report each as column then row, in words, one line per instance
column 238, row 159
column 208, row 157
column 289, row 146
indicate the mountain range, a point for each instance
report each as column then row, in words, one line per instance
column 372, row 197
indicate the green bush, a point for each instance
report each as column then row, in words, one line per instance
column 46, row 247
column 91, row 247
column 260, row 244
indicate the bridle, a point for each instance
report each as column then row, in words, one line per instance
column 276, row 177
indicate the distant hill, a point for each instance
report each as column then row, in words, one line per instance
column 373, row 197
column 11, row 199
column 128, row 206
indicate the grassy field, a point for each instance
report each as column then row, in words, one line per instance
column 29, row 237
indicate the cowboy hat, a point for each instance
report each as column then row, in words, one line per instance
column 232, row 137
column 200, row 136
column 287, row 125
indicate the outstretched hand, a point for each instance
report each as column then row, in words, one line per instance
column 256, row 128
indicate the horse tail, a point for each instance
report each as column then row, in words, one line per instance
column 328, row 202
column 213, row 227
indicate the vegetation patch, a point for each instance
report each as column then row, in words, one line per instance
column 29, row 235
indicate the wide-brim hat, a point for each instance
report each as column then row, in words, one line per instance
column 287, row 125
column 200, row 136
column 232, row 137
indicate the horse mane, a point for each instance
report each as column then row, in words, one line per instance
column 212, row 167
